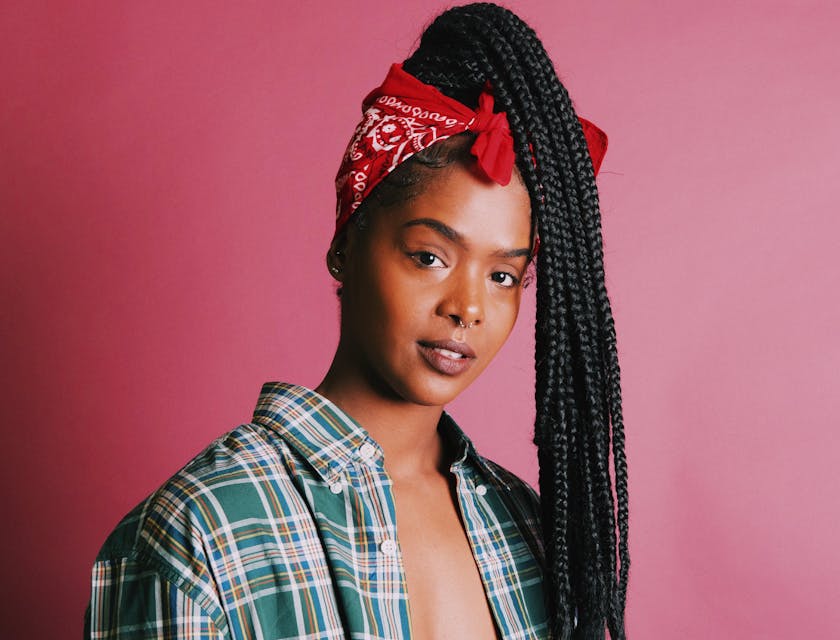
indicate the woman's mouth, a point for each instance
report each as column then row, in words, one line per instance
column 447, row 357
column 450, row 354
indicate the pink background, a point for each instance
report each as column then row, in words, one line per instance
column 166, row 196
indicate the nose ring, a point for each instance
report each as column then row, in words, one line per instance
column 465, row 326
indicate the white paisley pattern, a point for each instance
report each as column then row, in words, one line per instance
column 390, row 132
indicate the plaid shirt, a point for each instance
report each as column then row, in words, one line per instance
column 285, row 528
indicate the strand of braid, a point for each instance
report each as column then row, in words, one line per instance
column 578, row 391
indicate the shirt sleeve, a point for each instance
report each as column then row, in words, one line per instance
column 130, row 600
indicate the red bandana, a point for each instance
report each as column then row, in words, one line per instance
column 404, row 116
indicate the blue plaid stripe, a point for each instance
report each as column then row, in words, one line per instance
column 248, row 540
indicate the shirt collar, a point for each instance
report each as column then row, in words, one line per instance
column 330, row 439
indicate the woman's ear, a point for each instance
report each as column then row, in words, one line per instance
column 337, row 256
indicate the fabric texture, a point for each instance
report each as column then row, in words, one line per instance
column 285, row 528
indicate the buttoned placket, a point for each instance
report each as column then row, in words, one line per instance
column 387, row 542
column 467, row 487
column 366, row 476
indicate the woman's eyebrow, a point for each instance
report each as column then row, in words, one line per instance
column 449, row 233
column 443, row 229
column 513, row 253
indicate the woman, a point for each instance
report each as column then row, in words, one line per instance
column 360, row 509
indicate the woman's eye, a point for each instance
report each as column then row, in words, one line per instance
column 427, row 259
column 505, row 279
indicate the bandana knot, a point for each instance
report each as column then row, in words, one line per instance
column 493, row 147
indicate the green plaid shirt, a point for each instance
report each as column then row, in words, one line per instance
column 285, row 528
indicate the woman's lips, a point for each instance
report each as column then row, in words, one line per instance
column 447, row 356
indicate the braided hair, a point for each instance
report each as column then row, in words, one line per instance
column 578, row 395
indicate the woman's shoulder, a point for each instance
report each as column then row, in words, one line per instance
column 231, row 476
column 522, row 492
column 523, row 504
column 245, row 477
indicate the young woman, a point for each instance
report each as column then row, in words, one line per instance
column 360, row 509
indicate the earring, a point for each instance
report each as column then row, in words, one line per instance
column 335, row 269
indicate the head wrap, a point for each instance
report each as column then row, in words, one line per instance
column 404, row 115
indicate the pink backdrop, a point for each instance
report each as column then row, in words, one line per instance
column 166, row 199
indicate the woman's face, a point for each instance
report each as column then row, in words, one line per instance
column 431, row 288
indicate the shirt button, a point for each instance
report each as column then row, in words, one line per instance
column 367, row 451
column 336, row 487
column 388, row 547
column 481, row 490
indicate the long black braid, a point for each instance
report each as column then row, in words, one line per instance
column 578, row 393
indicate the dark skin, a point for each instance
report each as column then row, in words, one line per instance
column 447, row 265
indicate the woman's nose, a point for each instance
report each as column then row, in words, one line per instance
column 463, row 301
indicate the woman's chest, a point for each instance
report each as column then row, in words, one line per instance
column 445, row 588
column 346, row 556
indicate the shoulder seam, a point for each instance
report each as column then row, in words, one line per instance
column 189, row 588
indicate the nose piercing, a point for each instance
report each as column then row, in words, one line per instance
column 465, row 326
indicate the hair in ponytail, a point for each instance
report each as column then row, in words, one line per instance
column 578, row 395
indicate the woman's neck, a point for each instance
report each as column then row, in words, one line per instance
column 407, row 432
